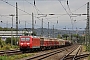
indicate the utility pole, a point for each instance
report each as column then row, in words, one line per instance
column 88, row 22
column 12, row 30
column 25, row 25
column 53, row 31
column 87, row 27
column 42, row 28
column 48, row 29
column 16, row 22
column 32, row 23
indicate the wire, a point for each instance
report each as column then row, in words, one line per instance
column 37, row 10
column 67, row 13
column 15, row 7
column 33, row 0
column 27, row 12
column 32, row 5
column 19, row 9
column 79, row 7
column 5, row 16
column 69, row 7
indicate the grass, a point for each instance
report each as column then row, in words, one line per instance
column 89, row 57
column 14, row 57
column 83, row 48
column 86, row 49
column 9, row 47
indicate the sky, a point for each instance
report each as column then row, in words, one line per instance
column 62, row 13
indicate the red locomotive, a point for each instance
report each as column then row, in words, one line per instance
column 34, row 42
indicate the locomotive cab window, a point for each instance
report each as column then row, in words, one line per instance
column 22, row 39
column 27, row 39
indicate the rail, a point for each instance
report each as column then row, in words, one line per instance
column 72, row 57
column 9, row 52
column 48, row 54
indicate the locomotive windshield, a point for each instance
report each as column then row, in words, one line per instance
column 25, row 39
column 22, row 39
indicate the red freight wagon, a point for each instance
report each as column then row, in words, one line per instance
column 45, row 43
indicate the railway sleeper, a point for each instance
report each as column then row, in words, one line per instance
column 81, row 56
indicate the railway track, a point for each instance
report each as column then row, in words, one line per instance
column 10, row 52
column 48, row 54
column 82, row 56
column 74, row 55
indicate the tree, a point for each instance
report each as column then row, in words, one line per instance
column 34, row 34
column 75, row 35
column 26, row 34
column 2, row 43
column 8, row 41
column 65, row 36
column 59, row 36
column 81, row 39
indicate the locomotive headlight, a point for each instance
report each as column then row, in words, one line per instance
column 21, row 43
column 28, row 43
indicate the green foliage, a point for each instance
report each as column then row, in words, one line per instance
column 0, row 27
column 6, row 29
column 9, row 47
column 14, row 41
column 76, row 35
column 14, row 57
column 6, row 45
column 65, row 36
column 3, row 58
column 88, row 48
column 8, row 41
column 81, row 39
column 89, row 57
column 59, row 36
column 2, row 43
column 26, row 34
column 34, row 34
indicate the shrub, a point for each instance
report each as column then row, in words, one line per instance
column 88, row 48
column 8, row 41
column 6, row 47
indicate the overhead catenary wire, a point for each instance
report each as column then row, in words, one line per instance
column 67, row 13
column 34, row 6
column 80, row 7
column 15, row 7
column 69, row 7
column 24, row 10
column 37, row 8
column 27, row 23
column 75, row 10
column 5, row 16
column 18, row 8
